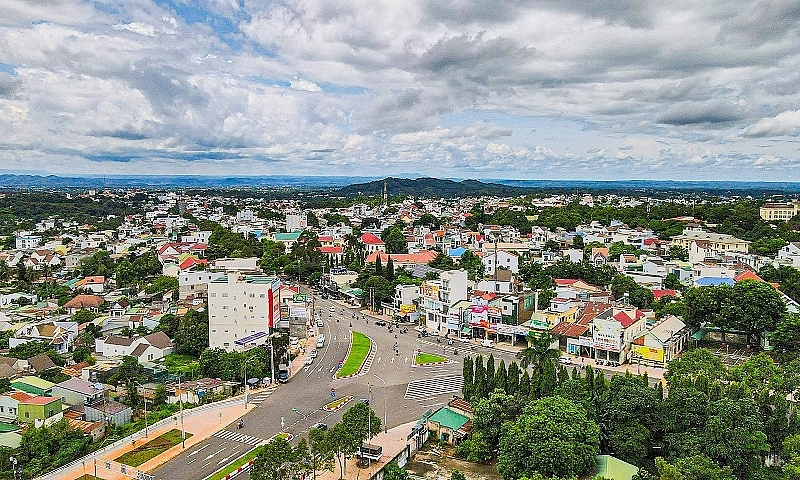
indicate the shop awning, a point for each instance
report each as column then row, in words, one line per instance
column 466, row 331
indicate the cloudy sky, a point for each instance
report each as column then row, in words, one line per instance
column 550, row 89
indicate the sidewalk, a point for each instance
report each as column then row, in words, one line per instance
column 201, row 422
column 392, row 442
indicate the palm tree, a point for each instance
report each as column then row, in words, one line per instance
column 539, row 354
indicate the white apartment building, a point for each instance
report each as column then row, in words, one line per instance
column 499, row 258
column 436, row 297
column 242, row 309
column 27, row 241
column 194, row 284
column 296, row 221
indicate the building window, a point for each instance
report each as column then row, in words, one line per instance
column 27, row 415
column 225, row 295
column 213, row 295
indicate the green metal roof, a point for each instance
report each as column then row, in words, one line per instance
column 614, row 469
column 7, row 427
column 34, row 382
column 448, row 418
column 286, row 237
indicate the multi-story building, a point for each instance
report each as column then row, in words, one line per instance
column 296, row 221
column 779, row 212
column 436, row 297
column 242, row 309
column 27, row 241
column 701, row 244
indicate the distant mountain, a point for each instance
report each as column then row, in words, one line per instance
column 432, row 187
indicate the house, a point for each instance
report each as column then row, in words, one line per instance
column 496, row 259
column 77, row 392
column 613, row 332
column 118, row 308
column 108, row 411
column 662, row 343
column 96, row 284
column 372, row 243
column 451, row 423
column 502, row 281
column 599, row 256
column 194, row 391
column 40, row 411
column 147, row 349
column 84, row 302
column 40, row 363
column 11, row 367
column 612, row 468
column 57, row 334
column 33, row 385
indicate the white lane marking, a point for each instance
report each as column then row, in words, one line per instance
column 198, row 450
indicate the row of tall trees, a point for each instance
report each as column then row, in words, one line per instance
column 715, row 418
column 278, row 460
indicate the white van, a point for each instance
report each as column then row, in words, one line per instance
column 487, row 343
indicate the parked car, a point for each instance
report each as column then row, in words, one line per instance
column 565, row 360
column 487, row 343
column 332, row 309
column 365, row 401
column 309, row 360
column 320, row 342
column 313, row 353
column 319, row 323
column 380, row 323
column 293, row 341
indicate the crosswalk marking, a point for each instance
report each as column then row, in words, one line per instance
column 238, row 437
column 261, row 396
column 431, row 387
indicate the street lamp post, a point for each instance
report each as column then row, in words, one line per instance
column 145, row 408
column 180, row 402
column 385, row 393
column 246, row 386
column 14, row 462
column 369, row 423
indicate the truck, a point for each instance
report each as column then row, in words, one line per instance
column 283, row 373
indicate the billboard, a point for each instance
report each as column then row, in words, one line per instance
column 408, row 308
column 480, row 313
column 299, row 297
column 607, row 335
column 648, row 353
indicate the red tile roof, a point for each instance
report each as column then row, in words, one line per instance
column 662, row 293
column 325, row 249
column 747, row 275
column 625, row 320
column 371, row 239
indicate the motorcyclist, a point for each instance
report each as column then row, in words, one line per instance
column 241, row 423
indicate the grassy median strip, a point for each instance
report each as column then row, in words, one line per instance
column 151, row 449
column 426, row 358
column 235, row 465
column 358, row 353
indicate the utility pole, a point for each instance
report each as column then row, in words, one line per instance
column 385, row 426
column 180, row 401
column 369, row 423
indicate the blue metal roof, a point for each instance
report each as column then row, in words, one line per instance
column 251, row 338
column 713, row 281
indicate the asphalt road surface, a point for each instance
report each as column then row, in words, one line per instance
column 399, row 391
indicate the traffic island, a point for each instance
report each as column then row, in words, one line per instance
column 151, row 449
column 427, row 359
column 360, row 347
column 337, row 404
column 284, row 435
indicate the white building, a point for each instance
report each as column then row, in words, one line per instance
column 296, row 221
column 241, row 310
column 194, row 284
column 436, row 297
column 499, row 258
column 27, row 241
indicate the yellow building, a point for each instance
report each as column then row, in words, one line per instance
column 779, row 212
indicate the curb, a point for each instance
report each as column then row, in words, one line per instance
column 347, row 399
column 372, row 350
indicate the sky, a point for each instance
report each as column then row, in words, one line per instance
column 484, row 89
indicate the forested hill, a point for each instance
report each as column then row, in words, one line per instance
column 432, row 187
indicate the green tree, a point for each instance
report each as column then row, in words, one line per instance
column 168, row 323
column 553, row 437
column 81, row 353
column 697, row 467
column 82, row 316
column 394, row 240
column 467, row 372
column 457, row 475
column 758, row 307
column 672, row 282
column 542, row 357
column 786, row 337
column 276, row 461
column 5, row 385
column 677, row 252
column 320, row 455
column 473, row 264
column 393, row 472
column 491, row 413
column 442, row 262
column 162, row 284
column 343, row 444
column 192, row 335
column 160, row 395
column 362, row 422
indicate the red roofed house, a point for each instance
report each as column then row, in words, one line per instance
column 658, row 294
column 95, row 283
column 372, row 243
column 332, row 252
column 403, row 259
column 599, row 256
column 613, row 332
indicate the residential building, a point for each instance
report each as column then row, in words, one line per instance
column 108, row 411
column 296, row 221
column 77, row 392
column 436, row 297
column 779, row 212
column 662, row 343
column 27, row 241
column 499, row 258
column 33, row 385
column 40, row 411
column 701, row 244
column 149, row 348
column 614, row 331
column 194, row 284
column 242, row 309
column 451, row 423
column 372, row 243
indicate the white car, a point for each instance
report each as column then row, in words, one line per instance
column 313, row 353
column 293, row 341
column 332, row 309
column 309, row 360
column 319, row 323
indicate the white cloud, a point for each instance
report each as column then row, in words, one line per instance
column 784, row 123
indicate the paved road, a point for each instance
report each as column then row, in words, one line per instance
column 399, row 391
column 309, row 389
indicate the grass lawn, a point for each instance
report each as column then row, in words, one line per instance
column 426, row 358
column 235, row 465
column 88, row 477
column 358, row 353
column 151, row 449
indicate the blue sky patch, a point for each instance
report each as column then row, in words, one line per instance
column 7, row 68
